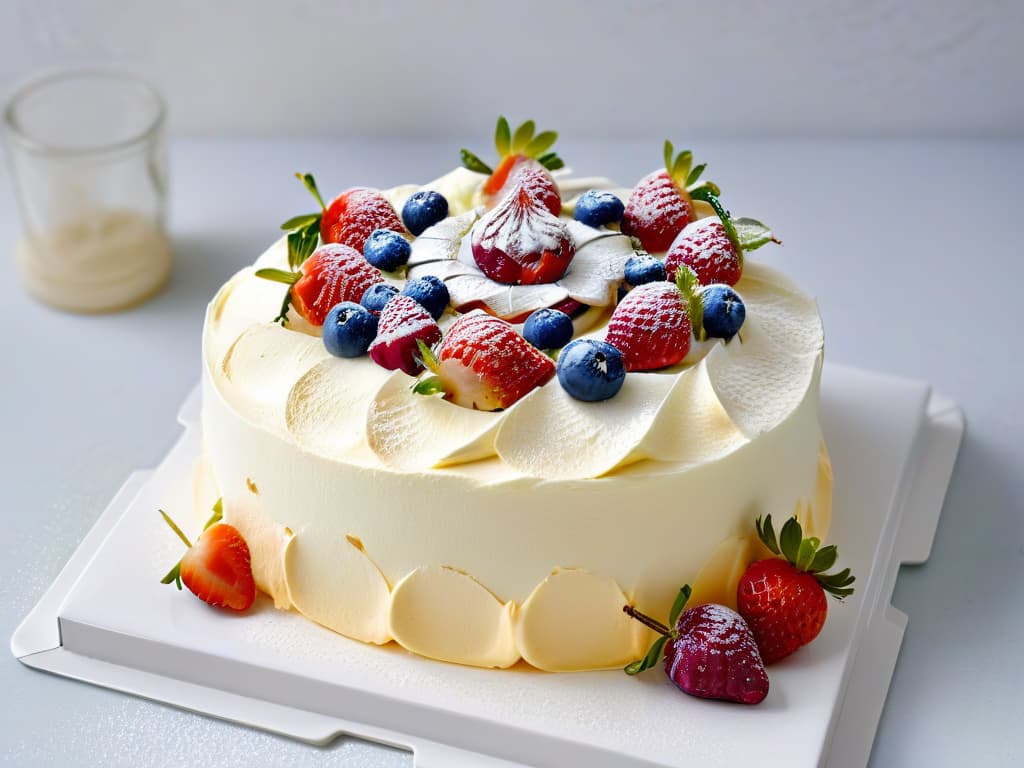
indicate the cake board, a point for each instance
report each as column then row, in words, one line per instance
column 893, row 444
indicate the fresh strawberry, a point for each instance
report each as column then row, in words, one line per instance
column 783, row 600
column 483, row 364
column 332, row 274
column 709, row 652
column 520, row 241
column 403, row 322
column 522, row 151
column 653, row 324
column 713, row 247
column 217, row 568
column 661, row 203
column 353, row 216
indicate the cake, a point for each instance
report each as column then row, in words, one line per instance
column 382, row 507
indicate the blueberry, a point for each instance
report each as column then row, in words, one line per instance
column 597, row 208
column 376, row 296
column 591, row 370
column 430, row 292
column 386, row 250
column 548, row 329
column 644, row 268
column 348, row 329
column 724, row 311
column 423, row 209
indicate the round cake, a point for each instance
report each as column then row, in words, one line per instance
column 386, row 504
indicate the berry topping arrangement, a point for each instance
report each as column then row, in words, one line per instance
column 659, row 273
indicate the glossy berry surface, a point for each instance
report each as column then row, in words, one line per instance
column 386, row 250
column 591, row 370
column 431, row 292
column 424, row 209
column 348, row 330
column 785, row 607
column 596, row 208
column 376, row 296
column 644, row 268
column 548, row 329
column 724, row 311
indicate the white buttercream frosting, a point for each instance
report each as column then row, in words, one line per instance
column 482, row 537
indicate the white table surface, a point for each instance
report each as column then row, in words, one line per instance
column 913, row 250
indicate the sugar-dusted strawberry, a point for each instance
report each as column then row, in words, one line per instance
column 519, row 152
column 661, row 203
column 520, row 241
column 783, row 598
column 403, row 322
column 217, row 568
column 353, row 216
column 709, row 652
column 332, row 274
column 713, row 247
column 483, row 364
column 653, row 324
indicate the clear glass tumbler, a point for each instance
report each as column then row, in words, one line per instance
column 88, row 160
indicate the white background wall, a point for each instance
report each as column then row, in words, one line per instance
column 649, row 68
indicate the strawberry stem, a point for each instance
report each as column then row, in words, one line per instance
column 646, row 620
column 309, row 183
column 175, row 528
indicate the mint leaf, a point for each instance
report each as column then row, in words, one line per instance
column 752, row 234
column 474, row 163
column 431, row 385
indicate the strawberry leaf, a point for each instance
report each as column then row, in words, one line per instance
column 824, row 559
column 789, row 539
column 752, row 234
column 689, row 285
column 653, row 657
column 681, row 166
column 551, row 161
column 278, row 275
column 302, row 221
column 703, row 190
column 310, row 183
column 541, row 143
column 217, row 516
column 431, row 385
column 805, row 554
column 502, row 137
column 669, row 153
column 694, row 174
column 680, row 603
column 766, row 533
column 427, row 356
column 474, row 163
column 523, row 136
column 302, row 243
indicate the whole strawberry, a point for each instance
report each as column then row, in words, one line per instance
column 520, row 241
column 404, row 323
column 709, row 652
column 661, row 203
column 518, row 152
column 483, row 364
column 653, row 324
column 714, row 247
column 217, row 568
column 783, row 598
column 355, row 214
column 332, row 274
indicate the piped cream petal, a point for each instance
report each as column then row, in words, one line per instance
column 326, row 408
column 413, row 432
column 445, row 614
column 555, row 436
column 506, row 301
column 332, row 581
column 597, row 269
column 441, row 241
column 573, row 620
column 783, row 313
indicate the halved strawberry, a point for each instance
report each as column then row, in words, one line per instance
column 654, row 322
column 217, row 568
column 483, row 364
column 661, row 203
column 783, row 599
column 332, row 274
column 403, row 323
column 520, row 241
column 713, row 247
column 519, row 152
